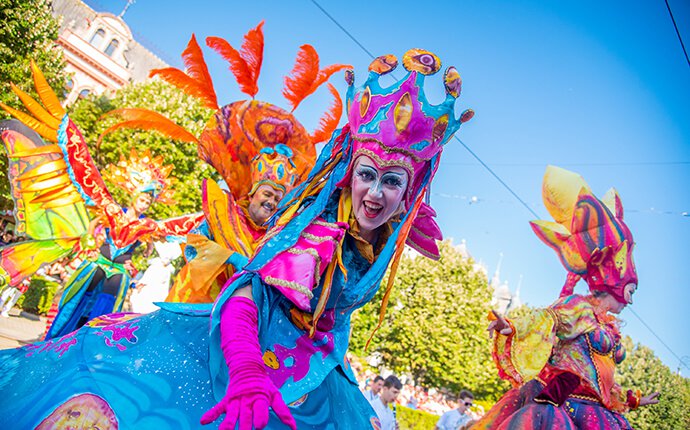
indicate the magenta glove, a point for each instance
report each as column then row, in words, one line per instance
column 250, row 392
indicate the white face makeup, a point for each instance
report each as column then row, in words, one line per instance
column 376, row 194
column 628, row 292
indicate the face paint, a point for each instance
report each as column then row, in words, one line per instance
column 376, row 194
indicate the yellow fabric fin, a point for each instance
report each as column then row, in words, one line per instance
column 46, row 94
column 35, row 108
column 560, row 191
column 31, row 122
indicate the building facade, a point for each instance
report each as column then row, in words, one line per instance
column 100, row 51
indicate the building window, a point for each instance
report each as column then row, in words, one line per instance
column 112, row 46
column 69, row 86
column 97, row 38
column 84, row 93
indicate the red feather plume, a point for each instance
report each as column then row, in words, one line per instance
column 197, row 81
column 145, row 119
column 245, row 64
column 303, row 74
column 329, row 121
column 306, row 77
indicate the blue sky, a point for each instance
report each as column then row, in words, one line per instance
column 601, row 88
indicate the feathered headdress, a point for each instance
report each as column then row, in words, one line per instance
column 142, row 173
column 237, row 132
column 588, row 234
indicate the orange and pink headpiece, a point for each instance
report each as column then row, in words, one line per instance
column 274, row 167
column 588, row 234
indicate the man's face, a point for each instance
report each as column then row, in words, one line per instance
column 142, row 203
column 376, row 386
column 389, row 394
column 263, row 203
column 464, row 404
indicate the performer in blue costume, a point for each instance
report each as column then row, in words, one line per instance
column 282, row 324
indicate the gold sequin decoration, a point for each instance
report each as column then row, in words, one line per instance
column 440, row 127
column 403, row 112
column 364, row 102
column 452, row 81
column 383, row 64
column 422, row 61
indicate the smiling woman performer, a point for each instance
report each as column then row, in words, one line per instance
column 561, row 360
column 280, row 328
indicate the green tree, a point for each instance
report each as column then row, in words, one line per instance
column 435, row 325
column 165, row 99
column 28, row 31
column 643, row 370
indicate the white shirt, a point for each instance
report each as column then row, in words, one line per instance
column 451, row 420
column 384, row 413
column 370, row 396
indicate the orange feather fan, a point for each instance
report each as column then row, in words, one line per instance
column 245, row 64
column 329, row 121
column 145, row 119
column 197, row 81
column 306, row 77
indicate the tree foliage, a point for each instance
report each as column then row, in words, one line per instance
column 28, row 31
column 643, row 370
column 169, row 101
column 435, row 325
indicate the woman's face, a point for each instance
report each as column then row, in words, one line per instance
column 628, row 292
column 376, row 194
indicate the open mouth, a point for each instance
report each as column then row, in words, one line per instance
column 372, row 210
column 269, row 207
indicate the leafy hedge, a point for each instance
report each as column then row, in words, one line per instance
column 39, row 297
column 413, row 419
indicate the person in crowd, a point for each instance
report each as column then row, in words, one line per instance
column 384, row 405
column 375, row 386
column 458, row 416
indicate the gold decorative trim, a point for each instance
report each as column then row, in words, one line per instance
column 276, row 282
column 419, row 232
column 326, row 224
column 385, row 163
column 318, row 239
column 388, row 150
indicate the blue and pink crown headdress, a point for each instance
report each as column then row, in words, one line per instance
column 397, row 125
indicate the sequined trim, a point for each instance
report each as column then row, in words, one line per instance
column 327, row 224
column 556, row 318
column 318, row 239
column 289, row 284
column 388, row 150
column 384, row 163
column 419, row 232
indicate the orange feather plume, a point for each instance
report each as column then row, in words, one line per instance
column 196, row 81
column 329, row 121
column 306, row 76
column 246, row 63
column 145, row 119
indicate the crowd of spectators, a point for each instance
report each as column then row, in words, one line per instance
column 430, row 400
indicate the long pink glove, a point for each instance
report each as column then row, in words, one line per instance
column 250, row 392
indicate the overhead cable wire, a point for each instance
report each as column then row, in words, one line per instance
column 658, row 338
column 358, row 43
column 680, row 39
